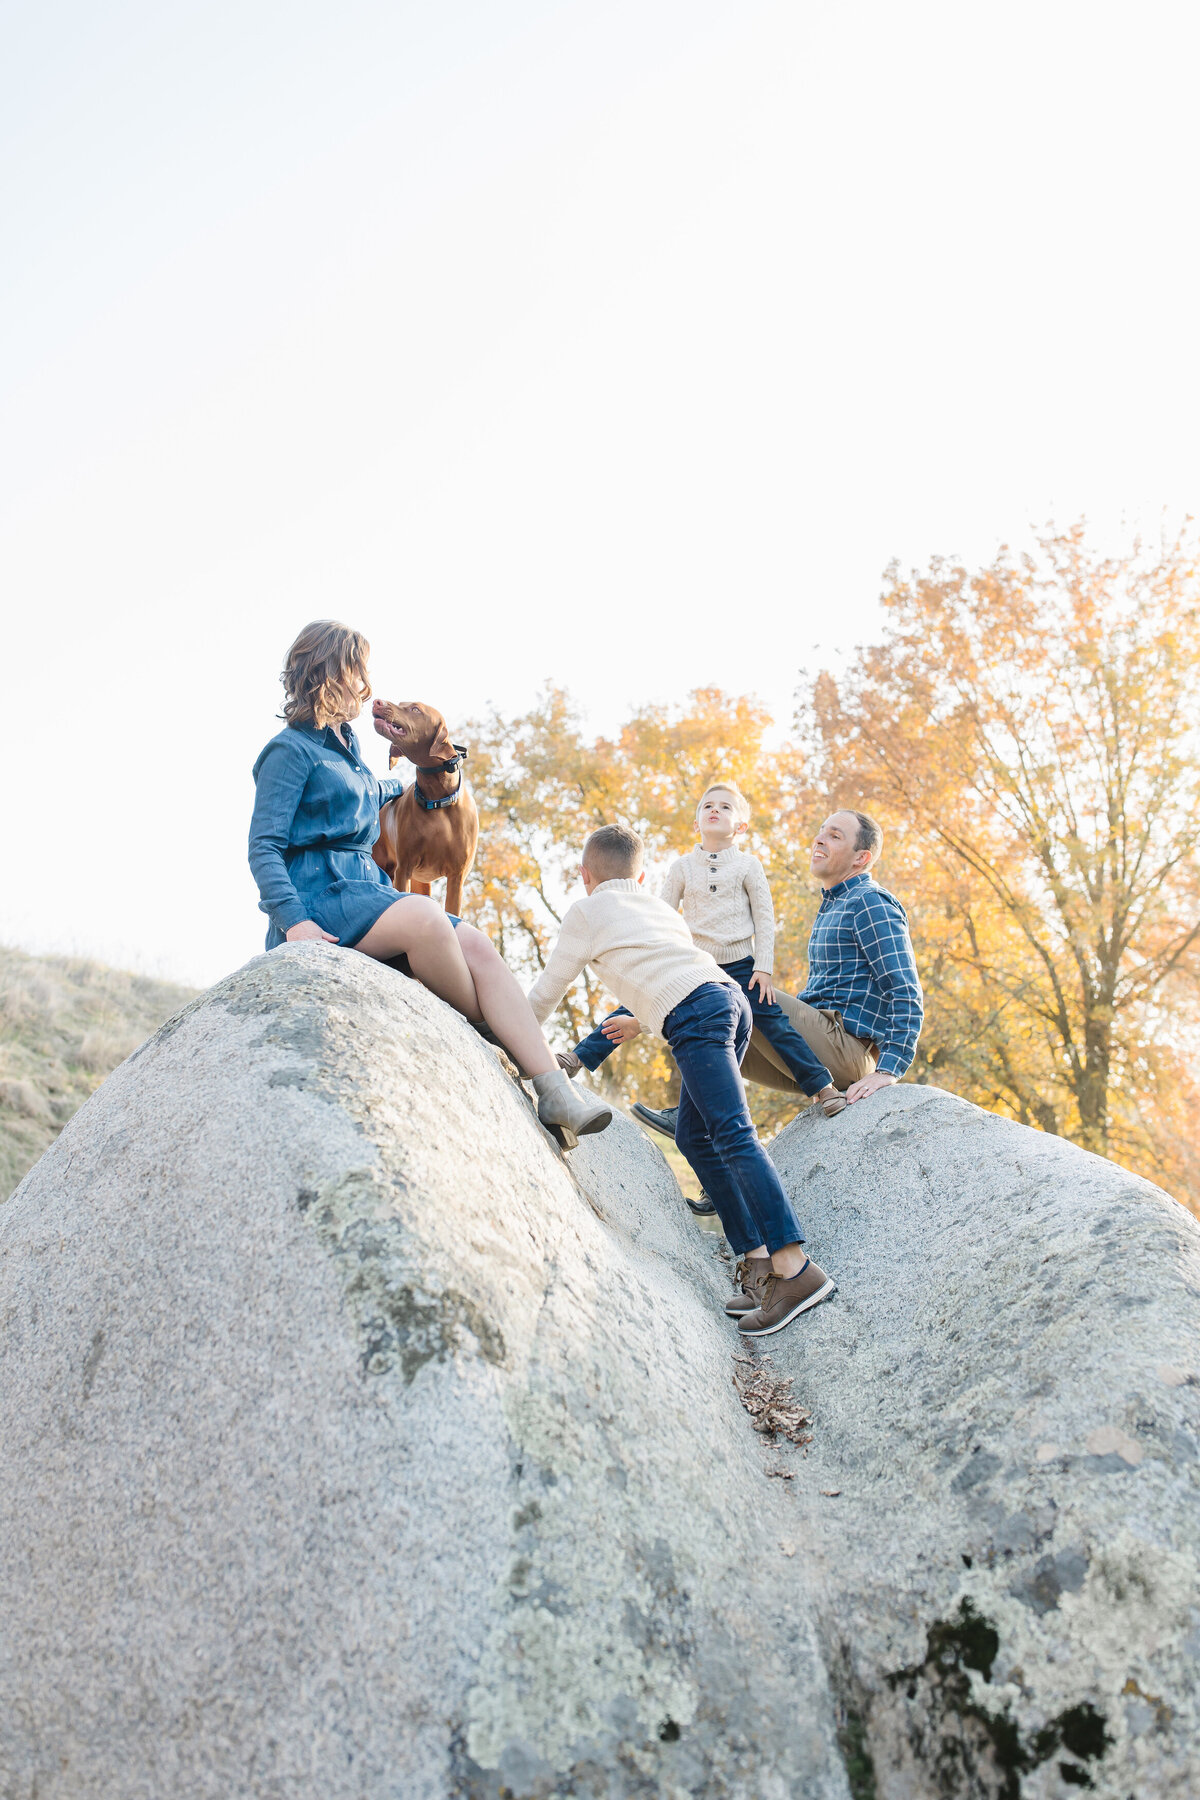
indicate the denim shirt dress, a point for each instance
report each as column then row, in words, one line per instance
column 316, row 816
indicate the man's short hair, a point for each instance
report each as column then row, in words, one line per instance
column 614, row 853
column 870, row 832
column 741, row 806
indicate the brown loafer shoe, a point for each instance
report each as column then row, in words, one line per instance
column 752, row 1273
column 569, row 1063
column 785, row 1298
column 832, row 1105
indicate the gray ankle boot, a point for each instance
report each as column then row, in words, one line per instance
column 568, row 1113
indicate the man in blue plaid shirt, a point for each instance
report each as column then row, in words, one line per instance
column 861, row 1009
column 862, row 977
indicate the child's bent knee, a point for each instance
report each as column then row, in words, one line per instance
column 737, row 1138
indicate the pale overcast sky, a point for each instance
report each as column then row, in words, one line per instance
column 622, row 344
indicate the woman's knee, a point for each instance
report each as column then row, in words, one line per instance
column 415, row 920
column 477, row 948
column 420, row 913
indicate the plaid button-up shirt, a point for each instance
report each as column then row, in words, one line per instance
column 861, row 964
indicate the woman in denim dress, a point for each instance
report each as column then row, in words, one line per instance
column 316, row 816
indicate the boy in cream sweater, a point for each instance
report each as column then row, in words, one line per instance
column 644, row 951
column 726, row 900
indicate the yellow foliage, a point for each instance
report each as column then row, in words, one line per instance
column 1029, row 732
column 1027, row 735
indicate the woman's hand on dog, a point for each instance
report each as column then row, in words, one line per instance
column 308, row 928
column 619, row 1031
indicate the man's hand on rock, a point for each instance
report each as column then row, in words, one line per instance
column 870, row 1084
column 308, row 928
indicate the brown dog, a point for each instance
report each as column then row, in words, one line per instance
column 433, row 828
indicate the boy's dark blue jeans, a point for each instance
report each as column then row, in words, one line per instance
column 810, row 1073
column 708, row 1034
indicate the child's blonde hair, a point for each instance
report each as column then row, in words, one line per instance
column 741, row 805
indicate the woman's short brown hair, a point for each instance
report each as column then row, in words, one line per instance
column 325, row 675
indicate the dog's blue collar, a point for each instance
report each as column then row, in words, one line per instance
column 443, row 768
column 436, row 805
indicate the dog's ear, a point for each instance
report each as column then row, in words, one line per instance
column 441, row 749
column 393, row 757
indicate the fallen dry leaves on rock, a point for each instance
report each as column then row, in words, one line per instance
column 768, row 1399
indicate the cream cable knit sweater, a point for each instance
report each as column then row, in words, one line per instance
column 642, row 949
column 726, row 902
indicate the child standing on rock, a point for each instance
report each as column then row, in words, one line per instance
column 726, row 900
column 644, row 951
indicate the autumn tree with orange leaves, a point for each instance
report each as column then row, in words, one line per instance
column 1030, row 732
column 1027, row 734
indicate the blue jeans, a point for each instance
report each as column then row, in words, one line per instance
column 810, row 1074
column 708, row 1033
column 595, row 1047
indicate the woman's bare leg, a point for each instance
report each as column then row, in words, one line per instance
column 420, row 929
column 465, row 969
column 503, row 1004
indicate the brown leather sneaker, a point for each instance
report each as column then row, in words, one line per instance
column 785, row 1298
column 751, row 1277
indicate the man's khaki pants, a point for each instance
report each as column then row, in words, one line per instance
column 847, row 1058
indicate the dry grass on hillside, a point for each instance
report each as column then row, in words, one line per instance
column 64, row 1024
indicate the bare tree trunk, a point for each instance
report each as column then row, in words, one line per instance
column 1092, row 1084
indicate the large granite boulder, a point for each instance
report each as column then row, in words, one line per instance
column 1006, row 1393
column 353, row 1442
